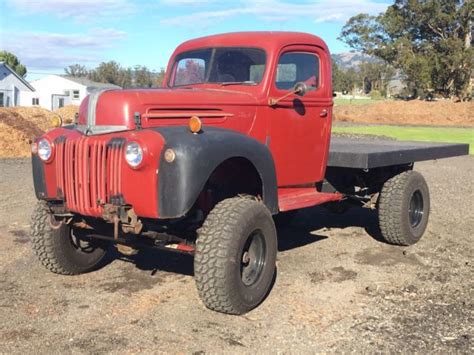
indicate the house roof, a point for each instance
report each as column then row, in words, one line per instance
column 89, row 83
column 23, row 81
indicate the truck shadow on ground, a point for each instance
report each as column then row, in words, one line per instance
column 307, row 224
column 304, row 229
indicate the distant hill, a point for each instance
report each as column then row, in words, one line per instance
column 349, row 60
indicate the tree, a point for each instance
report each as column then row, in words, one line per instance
column 345, row 80
column 429, row 41
column 13, row 62
column 376, row 76
column 76, row 70
column 160, row 76
column 112, row 73
column 143, row 77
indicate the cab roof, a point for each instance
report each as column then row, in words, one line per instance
column 267, row 40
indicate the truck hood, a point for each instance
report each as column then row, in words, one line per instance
column 114, row 110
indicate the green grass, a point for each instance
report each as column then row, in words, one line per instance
column 430, row 134
column 342, row 102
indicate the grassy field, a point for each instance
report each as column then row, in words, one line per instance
column 342, row 102
column 431, row 134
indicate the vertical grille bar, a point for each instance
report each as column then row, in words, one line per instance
column 59, row 165
column 93, row 175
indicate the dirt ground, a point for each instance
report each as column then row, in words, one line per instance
column 438, row 113
column 337, row 289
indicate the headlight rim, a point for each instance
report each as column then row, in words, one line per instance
column 142, row 155
column 51, row 150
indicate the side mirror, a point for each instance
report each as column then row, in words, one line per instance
column 300, row 89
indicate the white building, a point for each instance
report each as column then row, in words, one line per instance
column 55, row 91
column 11, row 85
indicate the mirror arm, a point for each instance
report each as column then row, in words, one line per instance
column 299, row 89
column 274, row 101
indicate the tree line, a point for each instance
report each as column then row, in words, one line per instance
column 113, row 73
column 368, row 78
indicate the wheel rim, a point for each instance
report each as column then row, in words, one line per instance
column 252, row 261
column 415, row 211
column 79, row 244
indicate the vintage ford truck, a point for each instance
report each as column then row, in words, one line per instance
column 237, row 139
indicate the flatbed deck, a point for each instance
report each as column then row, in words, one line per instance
column 375, row 153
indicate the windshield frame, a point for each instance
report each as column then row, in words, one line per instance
column 172, row 76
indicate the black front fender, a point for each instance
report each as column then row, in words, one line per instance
column 197, row 156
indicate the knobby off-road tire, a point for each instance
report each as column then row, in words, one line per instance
column 57, row 248
column 403, row 208
column 234, row 263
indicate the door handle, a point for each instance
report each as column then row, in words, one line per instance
column 324, row 113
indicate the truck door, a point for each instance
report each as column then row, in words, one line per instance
column 299, row 127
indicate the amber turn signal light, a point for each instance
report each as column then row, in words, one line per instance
column 195, row 124
column 57, row 121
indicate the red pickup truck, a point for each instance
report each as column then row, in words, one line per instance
column 238, row 138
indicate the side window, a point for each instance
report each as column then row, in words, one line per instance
column 294, row 67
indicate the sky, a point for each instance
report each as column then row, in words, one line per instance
column 49, row 35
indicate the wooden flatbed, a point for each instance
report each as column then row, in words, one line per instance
column 375, row 153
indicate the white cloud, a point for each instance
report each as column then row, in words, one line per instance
column 43, row 50
column 81, row 10
column 269, row 10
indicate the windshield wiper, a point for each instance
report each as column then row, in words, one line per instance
column 248, row 82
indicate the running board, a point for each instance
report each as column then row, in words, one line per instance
column 302, row 197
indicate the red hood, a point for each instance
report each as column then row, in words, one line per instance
column 160, row 107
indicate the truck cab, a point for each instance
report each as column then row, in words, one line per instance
column 236, row 139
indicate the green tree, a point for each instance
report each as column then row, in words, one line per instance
column 76, row 70
column 345, row 80
column 430, row 41
column 159, row 77
column 13, row 62
column 337, row 76
column 143, row 77
column 376, row 76
column 112, row 73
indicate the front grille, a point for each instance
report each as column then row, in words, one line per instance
column 88, row 173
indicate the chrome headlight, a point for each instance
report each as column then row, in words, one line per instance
column 44, row 149
column 133, row 154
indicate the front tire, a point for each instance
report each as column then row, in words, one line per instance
column 403, row 208
column 234, row 263
column 58, row 249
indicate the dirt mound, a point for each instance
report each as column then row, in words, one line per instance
column 18, row 127
column 439, row 113
column 68, row 113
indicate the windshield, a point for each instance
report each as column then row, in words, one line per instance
column 224, row 65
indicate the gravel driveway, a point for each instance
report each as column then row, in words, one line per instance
column 337, row 289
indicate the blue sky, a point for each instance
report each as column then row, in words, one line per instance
column 48, row 35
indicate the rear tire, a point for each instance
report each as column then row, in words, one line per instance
column 234, row 263
column 403, row 208
column 59, row 250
